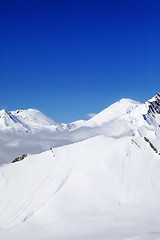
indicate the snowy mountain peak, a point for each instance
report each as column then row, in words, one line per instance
column 156, row 97
column 154, row 104
column 25, row 121
column 32, row 116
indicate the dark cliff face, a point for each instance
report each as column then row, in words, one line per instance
column 154, row 105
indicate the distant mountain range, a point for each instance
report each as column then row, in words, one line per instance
column 30, row 131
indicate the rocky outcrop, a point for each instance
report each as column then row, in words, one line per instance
column 19, row 158
column 154, row 104
column 151, row 145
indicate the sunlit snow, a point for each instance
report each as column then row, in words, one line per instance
column 92, row 180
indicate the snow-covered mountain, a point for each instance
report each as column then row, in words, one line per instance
column 100, row 179
column 25, row 121
column 30, row 131
column 27, row 131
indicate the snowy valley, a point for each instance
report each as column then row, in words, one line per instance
column 87, row 180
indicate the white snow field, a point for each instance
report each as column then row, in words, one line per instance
column 99, row 181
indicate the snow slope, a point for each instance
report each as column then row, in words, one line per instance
column 105, row 184
column 96, row 180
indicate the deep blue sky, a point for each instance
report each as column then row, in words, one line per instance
column 70, row 58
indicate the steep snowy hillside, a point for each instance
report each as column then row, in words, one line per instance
column 81, row 191
column 100, row 181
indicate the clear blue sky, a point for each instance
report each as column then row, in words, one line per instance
column 70, row 58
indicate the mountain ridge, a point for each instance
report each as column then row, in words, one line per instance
column 126, row 117
column 33, row 116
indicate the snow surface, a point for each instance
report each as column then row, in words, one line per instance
column 101, row 179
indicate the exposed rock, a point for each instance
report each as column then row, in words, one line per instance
column 154, row 104
column 151, row 145
column 17, row 159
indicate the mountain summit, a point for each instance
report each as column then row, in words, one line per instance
column 154, row 104
column 22, row 120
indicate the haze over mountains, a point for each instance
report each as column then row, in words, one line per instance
column 99, row 180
